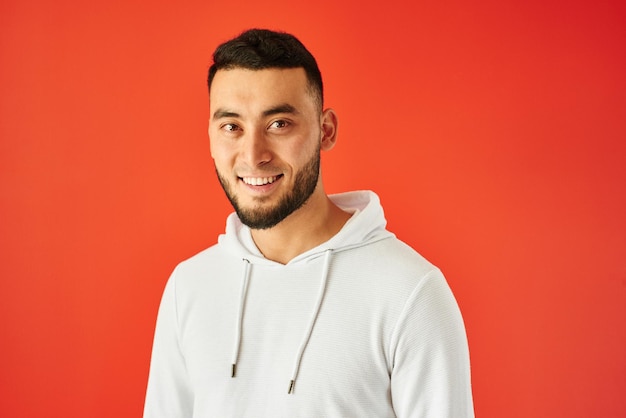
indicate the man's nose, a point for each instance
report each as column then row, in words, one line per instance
column 255, row 148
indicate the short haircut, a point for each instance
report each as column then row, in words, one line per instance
column 259, row 49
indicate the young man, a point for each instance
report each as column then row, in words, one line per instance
column 307, row 306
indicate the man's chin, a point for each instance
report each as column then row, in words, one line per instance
column 265, row 215
column 257, row 220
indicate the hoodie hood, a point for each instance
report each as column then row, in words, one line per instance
column 366, row 225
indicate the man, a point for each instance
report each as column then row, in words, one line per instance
column 307, row 306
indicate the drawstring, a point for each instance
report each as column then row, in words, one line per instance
column 242, row 297
column 309, row 331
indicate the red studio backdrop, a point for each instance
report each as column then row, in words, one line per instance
column 494, row 133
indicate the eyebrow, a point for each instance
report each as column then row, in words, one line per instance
column 282, row 108
column 222, row 113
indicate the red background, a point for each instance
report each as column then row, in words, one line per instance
column 493, row 132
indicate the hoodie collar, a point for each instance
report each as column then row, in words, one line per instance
column 366, row 225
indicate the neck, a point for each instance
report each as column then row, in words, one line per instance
column 318, row 220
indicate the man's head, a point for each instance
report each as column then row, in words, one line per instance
column 258, row 49
column 267, row 127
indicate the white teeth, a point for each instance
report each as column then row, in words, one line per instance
column 259, row 181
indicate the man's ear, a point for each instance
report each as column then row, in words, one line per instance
column 329, row 129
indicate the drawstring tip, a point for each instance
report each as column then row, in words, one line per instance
column 234, row 369
column 290, row 387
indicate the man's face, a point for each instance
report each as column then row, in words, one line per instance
column 265, row 131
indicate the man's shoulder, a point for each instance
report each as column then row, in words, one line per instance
column 395, row 253
column 390, row 259
column 210, row 259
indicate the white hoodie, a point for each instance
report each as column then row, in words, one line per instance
column 360, row 326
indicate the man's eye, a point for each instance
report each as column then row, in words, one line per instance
column 230, row 127
column 279, row 124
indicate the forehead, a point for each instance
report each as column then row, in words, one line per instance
column 240, row 88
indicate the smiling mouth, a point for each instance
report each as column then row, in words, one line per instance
column 260, row 181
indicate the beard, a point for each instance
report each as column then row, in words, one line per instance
column 259, row 217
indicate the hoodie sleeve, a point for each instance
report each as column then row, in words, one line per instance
column 431, row 371
column 169, row 393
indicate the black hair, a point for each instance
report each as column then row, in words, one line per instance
column 258, row 49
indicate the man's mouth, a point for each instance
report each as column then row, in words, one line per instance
column 260, row 181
